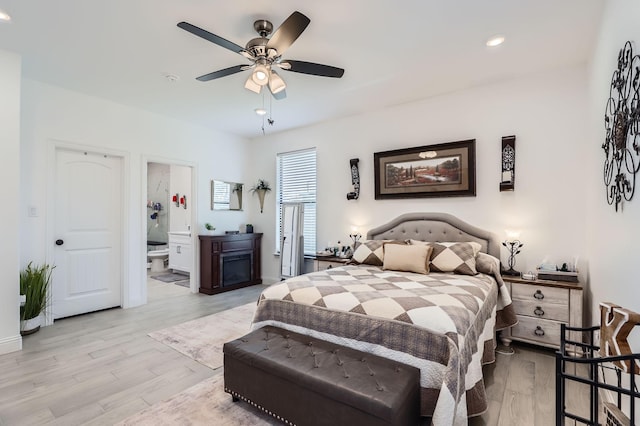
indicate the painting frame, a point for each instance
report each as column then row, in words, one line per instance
column 439, row 170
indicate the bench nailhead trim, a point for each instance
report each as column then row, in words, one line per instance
column 250, row 402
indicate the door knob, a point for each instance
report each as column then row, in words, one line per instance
column 59, row 242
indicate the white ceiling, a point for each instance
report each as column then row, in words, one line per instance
column 392, row 52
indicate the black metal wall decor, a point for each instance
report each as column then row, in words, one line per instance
column 508, row 176
column 622, row 125
column 355, row 179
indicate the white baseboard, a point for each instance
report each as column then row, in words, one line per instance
column 10, row 344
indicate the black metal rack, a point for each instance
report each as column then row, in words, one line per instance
column 585, row 357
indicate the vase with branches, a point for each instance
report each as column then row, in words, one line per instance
column 261, row 188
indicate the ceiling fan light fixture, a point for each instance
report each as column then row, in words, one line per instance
column 276, row 83
column 251, row 85
column 260, row 75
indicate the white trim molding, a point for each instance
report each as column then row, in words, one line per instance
column 10, row 344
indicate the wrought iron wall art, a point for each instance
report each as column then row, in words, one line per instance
column 622, row 124
column 508, row 176
column 355, row 179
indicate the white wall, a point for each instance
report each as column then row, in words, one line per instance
column 10, row 65
column 612, row 236
column 545, row 111
column 51, row 114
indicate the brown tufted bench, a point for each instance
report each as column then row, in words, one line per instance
column 305, row 381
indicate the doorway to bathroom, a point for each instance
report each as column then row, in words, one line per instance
column 170, row 209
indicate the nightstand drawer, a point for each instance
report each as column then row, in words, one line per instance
column 532, row 329
column 541, row 294
column 321, row 265
column 541, row 309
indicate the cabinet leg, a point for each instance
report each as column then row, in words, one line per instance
column 505, row 348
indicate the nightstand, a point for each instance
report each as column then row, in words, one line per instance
column 541, row 306
column 321, row 263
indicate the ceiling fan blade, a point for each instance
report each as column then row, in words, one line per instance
column 222, row 73
column 311, row 68
column 288, row 32
column 211, row 37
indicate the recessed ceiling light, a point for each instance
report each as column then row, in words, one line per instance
column 260, row 111
column 496, row 40
column 172, row 77
column 4, row 16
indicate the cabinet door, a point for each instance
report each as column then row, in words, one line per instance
column 180, row 257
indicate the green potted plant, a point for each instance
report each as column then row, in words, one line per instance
column 209, row 227
column 34, row 285
column 261, row 188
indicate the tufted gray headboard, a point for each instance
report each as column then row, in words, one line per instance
column 435, row 227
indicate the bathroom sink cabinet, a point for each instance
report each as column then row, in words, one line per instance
column 229, row 261
column 180, row 252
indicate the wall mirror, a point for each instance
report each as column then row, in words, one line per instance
column 226, row 195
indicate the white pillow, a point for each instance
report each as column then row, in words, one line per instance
column 410, row 258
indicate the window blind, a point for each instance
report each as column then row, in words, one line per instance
column 296, row 174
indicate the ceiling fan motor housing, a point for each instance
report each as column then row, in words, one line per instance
column 257, row 47
column 263, row 27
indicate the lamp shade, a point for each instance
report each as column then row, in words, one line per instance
column 512, row 234
column 249, row 84
column 276, row 83
column 260, row 75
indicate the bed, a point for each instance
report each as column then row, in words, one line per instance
column 442, row 322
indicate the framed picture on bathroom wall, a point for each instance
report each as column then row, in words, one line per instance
column 441, row 170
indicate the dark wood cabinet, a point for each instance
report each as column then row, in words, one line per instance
column 229, row 261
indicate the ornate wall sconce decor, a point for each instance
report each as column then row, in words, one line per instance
column 261, row 188
column 508, row 176
column 355, row 179
column 622, row 125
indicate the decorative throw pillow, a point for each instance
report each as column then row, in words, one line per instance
column 455, row 257
column 487, row 264
column 371, row 252
column 407, row 258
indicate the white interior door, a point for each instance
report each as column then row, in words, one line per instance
column 88, row 221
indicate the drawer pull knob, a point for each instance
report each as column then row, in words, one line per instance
column 538, row 311
column 538, row 295
column 538, row 331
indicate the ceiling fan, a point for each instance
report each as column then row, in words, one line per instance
column 265, row 54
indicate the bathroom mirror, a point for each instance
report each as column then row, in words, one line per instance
column 226, row 195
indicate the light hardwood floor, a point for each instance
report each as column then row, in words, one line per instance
column 99, row 368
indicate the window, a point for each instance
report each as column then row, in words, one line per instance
column 296, row 176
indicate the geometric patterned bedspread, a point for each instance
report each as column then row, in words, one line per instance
column 442, row 323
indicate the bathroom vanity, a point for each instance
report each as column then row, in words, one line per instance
column 180, row 251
